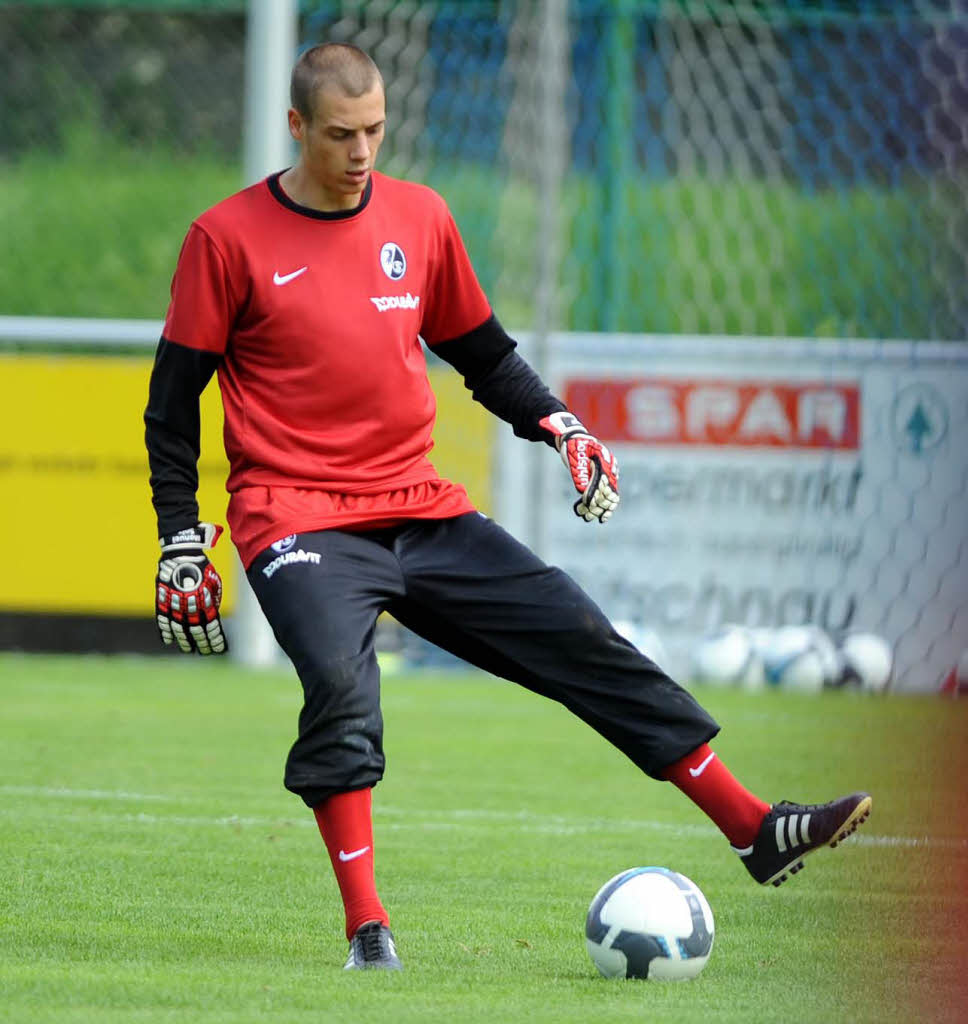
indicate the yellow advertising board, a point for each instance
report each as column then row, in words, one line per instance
column 75, row 506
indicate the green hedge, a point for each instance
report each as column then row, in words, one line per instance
column 96, row 232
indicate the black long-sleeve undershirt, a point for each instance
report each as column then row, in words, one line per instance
column 173, row 432
column 500, row 379
column 497, row 377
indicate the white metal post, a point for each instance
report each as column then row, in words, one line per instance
column 553, row 131
column 270, row 50
column 271, row 35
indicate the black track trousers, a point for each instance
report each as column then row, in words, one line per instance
column 469, row 587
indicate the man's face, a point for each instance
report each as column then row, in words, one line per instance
column 340, row 143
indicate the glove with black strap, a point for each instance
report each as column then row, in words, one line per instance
column 188, row 591
column 592, row 466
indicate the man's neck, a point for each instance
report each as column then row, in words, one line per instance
column 304, row 192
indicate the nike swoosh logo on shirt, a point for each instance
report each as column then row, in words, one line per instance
column 344, row 856
column 278, row 278
column 696, row 772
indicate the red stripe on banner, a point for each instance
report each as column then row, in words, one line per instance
column 719, row 412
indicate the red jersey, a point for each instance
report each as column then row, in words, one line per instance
column 328, row 409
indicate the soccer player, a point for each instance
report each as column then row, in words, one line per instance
column 309, row 293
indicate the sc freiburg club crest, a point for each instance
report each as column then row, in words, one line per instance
column 393, row 261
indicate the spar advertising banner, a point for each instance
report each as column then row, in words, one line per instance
column 765, row 482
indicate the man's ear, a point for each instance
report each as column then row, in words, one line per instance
column 297, row 124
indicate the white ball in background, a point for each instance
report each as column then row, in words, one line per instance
column 760, row 637
column 868, row 661
column 650, row 643
column 801, row 658
column 646, row 640
column 727, row 657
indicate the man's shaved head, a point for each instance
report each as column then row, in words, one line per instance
column 339, row 66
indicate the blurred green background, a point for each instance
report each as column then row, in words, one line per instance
column 713, row 168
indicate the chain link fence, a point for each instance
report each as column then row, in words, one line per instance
column 632, row 165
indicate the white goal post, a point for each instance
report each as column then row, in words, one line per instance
column 271, row 39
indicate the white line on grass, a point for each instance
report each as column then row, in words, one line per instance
column 85, row 794
column 424, row 820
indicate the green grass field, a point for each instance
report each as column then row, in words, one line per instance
column 154, row 869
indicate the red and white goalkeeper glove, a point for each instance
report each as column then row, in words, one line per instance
column 593, row 468
column 188, row 591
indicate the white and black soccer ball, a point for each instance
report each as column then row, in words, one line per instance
column 728, row 657
column 868, row 662
column 801, row 658
column 649, row 923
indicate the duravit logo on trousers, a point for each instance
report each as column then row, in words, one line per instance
column 287, row 556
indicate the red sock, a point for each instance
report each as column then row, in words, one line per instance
column 711, row 786
column 346, row 825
